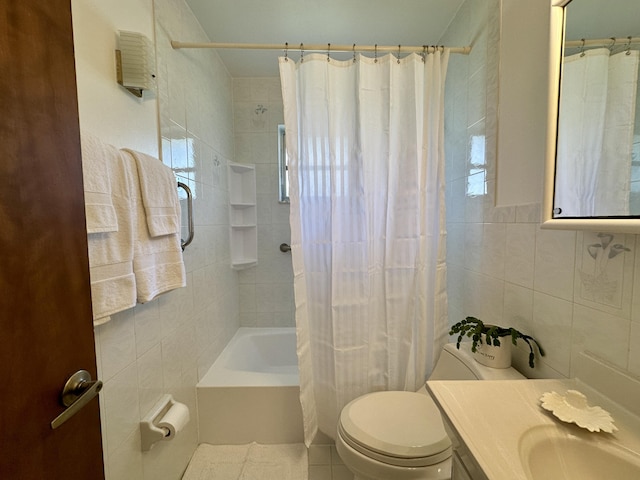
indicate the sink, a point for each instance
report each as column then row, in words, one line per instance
column 550, row 452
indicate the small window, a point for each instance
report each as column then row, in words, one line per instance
column 283, row 166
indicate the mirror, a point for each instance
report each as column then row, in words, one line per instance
column 593, row 150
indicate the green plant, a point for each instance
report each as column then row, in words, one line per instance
column 475, row 329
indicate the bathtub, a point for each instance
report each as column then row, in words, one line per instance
column 251, row 392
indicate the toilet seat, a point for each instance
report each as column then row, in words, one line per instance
column 397, row 428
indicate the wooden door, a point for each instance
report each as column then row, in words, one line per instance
column 46, row 331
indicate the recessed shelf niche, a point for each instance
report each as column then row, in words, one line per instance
column 242, row 215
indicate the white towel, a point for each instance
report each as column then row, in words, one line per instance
column 158, row 187
column 101, row 216
column 113, row 286
column 157, row 261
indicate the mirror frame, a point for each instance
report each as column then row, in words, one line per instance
column 556, row 48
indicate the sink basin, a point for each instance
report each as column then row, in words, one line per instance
column 548, row 452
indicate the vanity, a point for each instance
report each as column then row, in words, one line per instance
column 501, row 432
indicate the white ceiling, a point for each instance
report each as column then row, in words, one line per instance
column 603, row 19
column 364, row 22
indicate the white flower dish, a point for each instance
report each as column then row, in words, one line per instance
column 573, row 408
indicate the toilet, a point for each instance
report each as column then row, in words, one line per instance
column 400, row 435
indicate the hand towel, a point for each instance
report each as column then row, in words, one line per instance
column 157, row 261
column 113, row 286
column 158, row 187
column 96, row 159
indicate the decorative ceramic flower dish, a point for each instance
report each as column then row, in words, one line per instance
column 573, row 408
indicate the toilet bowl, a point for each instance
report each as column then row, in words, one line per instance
column 394, row 435
column 400, row 435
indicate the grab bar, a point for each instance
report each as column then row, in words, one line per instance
column 185, row 243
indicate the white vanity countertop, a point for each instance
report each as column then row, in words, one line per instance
column 490, row 418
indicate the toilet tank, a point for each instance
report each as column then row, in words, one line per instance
column 459, row 364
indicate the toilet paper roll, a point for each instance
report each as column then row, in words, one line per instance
column 175, row 419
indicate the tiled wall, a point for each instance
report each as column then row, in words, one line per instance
column 266, row 290
column 166, row 345
column 558, row 286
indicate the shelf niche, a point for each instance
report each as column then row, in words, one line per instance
column 242, row 216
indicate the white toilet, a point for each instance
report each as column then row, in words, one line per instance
column 400, row 435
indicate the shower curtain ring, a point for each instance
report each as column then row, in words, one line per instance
column 354, row 53
column 301, row 52
column 286, row 51
column 582, row 54
column 613, row 44
column 398, row 54
column 424, row 53
column 629, row 46
column 328, row 52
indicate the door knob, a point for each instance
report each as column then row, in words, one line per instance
column 77, row 392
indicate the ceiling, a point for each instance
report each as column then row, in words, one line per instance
column 598, row 19
column 364, row 22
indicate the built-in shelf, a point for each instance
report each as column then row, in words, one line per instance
column 242, row 215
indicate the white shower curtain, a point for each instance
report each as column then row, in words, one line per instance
column 595, row 133
column 366, row 169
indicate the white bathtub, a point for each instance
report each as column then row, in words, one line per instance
column 251, row 393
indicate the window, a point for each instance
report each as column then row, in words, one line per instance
column 283, row 166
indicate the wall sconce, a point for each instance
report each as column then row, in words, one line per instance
column 135, row 63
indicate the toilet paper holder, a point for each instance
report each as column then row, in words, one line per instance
column 163, row 422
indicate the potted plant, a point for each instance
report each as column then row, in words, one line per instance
column 484, row 337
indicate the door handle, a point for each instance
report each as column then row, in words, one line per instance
column 77, row 392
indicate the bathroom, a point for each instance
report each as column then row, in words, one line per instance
column 501, row 265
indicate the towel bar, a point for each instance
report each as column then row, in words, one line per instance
column 186, row 242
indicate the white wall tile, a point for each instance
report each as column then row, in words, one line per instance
column 473, row 251
column 121, row 404
column 126, row 459
column 494, row 251
column 634, row 349
column 266, row 291
column 150, row 379
column 117, row 344
column 600, row 333
column 554, row 263
column 518, row 306
column 148, row 327
column 552, row 326
column 520, row 254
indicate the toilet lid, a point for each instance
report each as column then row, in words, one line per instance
column 398, row 424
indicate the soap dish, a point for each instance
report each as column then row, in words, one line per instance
column 573, row 408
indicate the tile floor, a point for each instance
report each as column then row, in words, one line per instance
column 266, row 462
column 326, row 464
column 248, row 462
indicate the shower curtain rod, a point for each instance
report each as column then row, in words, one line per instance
column 603, row 42
column 316, row 47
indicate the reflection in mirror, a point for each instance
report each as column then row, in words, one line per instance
column 597, row 170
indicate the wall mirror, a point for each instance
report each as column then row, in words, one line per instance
column 593, row 149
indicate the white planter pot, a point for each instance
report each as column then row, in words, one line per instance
column 496, row 357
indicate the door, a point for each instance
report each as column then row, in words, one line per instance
column 46, row 331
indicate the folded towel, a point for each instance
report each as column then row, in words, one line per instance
column 113, row 286
column 158, row 187
column 101, row 216
column 157, row 261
